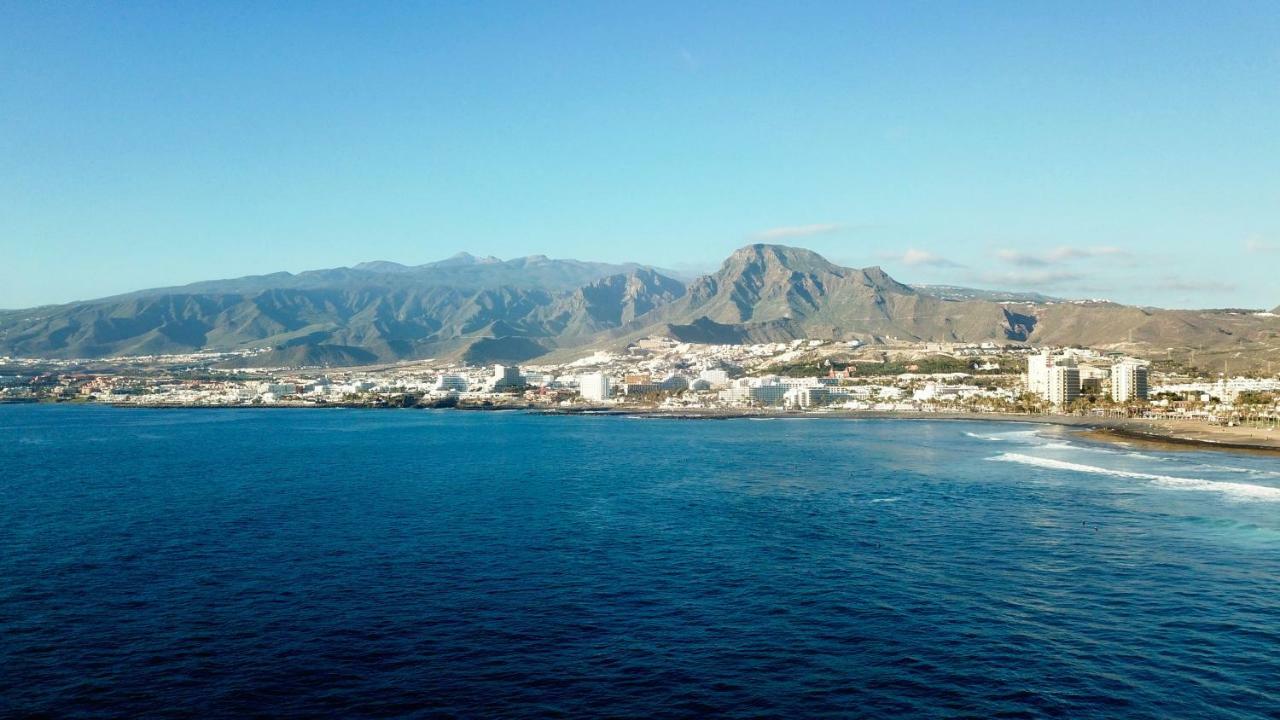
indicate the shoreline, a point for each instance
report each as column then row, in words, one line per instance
column 1107, row 430
column 1170, row 435
column 1145, row 432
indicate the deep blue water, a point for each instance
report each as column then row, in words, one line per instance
column 417, row 563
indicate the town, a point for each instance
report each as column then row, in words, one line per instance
column 660, row 374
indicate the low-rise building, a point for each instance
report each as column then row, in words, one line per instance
column 755, row 392
column 448, row 383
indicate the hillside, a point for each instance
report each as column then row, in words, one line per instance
column 767, row 293
column 764, row 293
column 485, row 309
column 376, row 312
column 462, row 271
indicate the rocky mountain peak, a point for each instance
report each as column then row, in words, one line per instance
column 766, row 259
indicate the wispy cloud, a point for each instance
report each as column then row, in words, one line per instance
column 1185, row 285
column 798, row 231
column 1255, row 245
column 1013, row 257
column 1066, row 252
column 1031, row 279
column 922, row 258
column 1086, row 282
column 1060, row 255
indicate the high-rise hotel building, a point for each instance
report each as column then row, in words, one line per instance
column 1128, row 381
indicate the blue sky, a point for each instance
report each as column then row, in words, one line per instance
column 1119, row 150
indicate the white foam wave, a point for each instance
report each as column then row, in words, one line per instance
column 1015, row 435
column 1242, row 471
column 1242, row 491
column 885, row 500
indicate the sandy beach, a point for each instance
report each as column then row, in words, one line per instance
column 1188, row 433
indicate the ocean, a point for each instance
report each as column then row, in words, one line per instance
column 405, row 563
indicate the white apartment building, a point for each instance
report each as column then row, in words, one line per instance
column 594, row 387
column 717, row 378
column 1064, row 384
column 1056, row 379
column 506, row 376
column 674, row 383
column 1226, row 389
column 808, row 396
column 537, row 379
column 1038, row 373
column 756, row 392
column 934, row 391
column 450, row 383
column 1128, row 381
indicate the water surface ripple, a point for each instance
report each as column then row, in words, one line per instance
column 421, row 564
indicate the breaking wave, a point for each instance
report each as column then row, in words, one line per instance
column 1244, row 491
column 1005, row 436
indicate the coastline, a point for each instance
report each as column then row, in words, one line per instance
column 1169, row 435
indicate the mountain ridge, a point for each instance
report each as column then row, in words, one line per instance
column 485, row 308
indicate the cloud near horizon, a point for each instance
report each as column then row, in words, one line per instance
column 798, row 231
column 1257, row 246
column 923, row 258
column 1059, row 255
column 1034, row 280
column 1177, row 284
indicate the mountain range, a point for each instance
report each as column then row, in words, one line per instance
column 491, row 310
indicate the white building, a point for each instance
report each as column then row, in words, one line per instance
column 717, row 378
column 537, row 379
column 1091, row 379
column 506, row 377
column 1226, row 389
column 807, row 396
column 594, row 387
column 1064, row 384
column 675, row 383
column 934, row 391
column 1128, row 381
column 1038, row 373
column 450, row 383
column 1056, row 379
column 756, row 392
